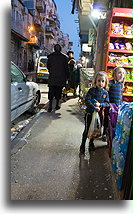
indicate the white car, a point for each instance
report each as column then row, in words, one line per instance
column 25, row 95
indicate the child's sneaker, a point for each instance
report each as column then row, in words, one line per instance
column 82, row 150
column 91, row 146
column 104, row 138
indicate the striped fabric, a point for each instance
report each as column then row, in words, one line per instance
column 115, row 92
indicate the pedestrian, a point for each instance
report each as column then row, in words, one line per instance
column 115, row 94
column 96, row 99
column 32, row 65
column 72, row 70
column 57, row 65
column 29, row 66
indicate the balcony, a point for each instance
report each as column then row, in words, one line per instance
column 49, row 29
column 38, row 24
column 49, row 32
column 40, row 6
column 50, row 18
column 18, row 28
column 60, row 37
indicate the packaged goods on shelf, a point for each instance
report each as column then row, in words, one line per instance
column 110, row 71
column 122, row 46
column 115, row 28
column 128, row 88
column 128, row 46
column 127, row 29
column 118, row 45
column 130, row 60
column 132, row 29
column 111, row 45
column 128, row 74
column 123, row 59
column 112, row 58
column 121, row 29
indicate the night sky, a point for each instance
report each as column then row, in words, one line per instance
column 68, row 24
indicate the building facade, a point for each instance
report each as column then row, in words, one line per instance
column 35, row 29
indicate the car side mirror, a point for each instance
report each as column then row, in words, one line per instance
column 29, row 78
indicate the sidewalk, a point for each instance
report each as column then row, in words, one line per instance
column 49, row 167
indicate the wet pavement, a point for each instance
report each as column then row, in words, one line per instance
column 45, row 161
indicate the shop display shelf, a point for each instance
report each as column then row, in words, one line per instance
column 115, row 65
column 120, row 51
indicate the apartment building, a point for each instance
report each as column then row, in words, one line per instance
column 35, row 29
column 19, row 32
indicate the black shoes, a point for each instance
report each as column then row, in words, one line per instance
column 49, row 109
column 82, row 150
column 104, row 138
column 57, row 107
column 91, row 146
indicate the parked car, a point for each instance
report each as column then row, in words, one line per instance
column 42, row 71
column 25, row 95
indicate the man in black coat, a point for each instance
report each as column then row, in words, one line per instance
column 57, row 65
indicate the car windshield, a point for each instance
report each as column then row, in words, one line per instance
column 16, row 74
column 43, row 62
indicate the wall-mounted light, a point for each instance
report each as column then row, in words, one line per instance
column 95, row 13
column 98, row 11
column 30, row 28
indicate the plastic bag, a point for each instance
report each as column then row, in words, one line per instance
column 95, row 126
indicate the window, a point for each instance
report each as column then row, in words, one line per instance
column 43, row 63
column 16, row 74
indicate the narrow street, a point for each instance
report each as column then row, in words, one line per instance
column 45, row 162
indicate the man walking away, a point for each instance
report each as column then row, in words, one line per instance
column 57, row 65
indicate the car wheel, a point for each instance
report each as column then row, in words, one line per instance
column 35, row 106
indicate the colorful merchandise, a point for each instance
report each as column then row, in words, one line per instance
column 111, row 46
column 110, row 71
column 115, row 28
column 128, row 46
column 130, row 60
column 127, row 29
column 120, row 141
column 121, row 29
column 128, row 74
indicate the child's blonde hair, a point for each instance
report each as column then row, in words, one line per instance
column 102, row 74
column 114, row 73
